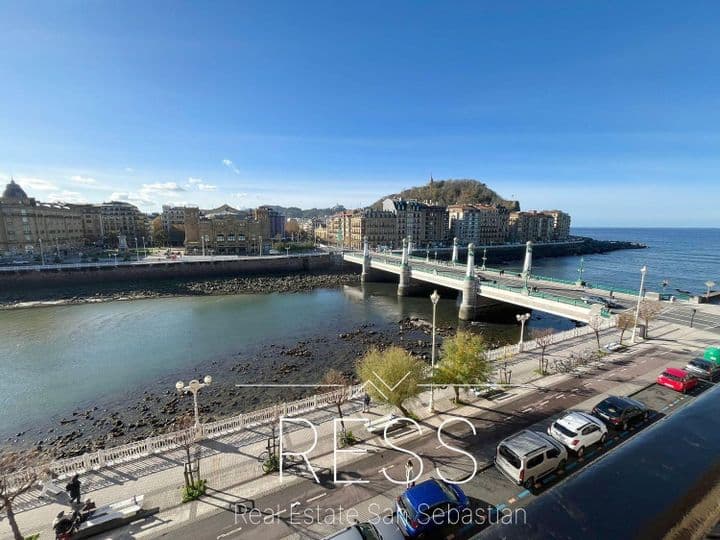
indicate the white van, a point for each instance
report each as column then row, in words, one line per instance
column 528, row 455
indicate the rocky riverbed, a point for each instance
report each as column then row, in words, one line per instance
column 154, row 410
column 132, row 290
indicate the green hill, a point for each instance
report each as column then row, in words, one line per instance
column 446, row 192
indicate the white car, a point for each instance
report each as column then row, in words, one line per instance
column 393, row 421
column 578, row 430
column 614, row 346
column 381, row 529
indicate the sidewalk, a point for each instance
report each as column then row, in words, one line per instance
column 231, row 466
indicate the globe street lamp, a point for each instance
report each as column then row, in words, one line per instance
column 643, row 271
column 522, row 319
column 709, row 284
column 434, row 298
column 193, row 387
column 581, row 270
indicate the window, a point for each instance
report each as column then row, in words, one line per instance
column 231, row 237
column 590, row 429
column 552, row 453
column 534, row 462
column 509, row 456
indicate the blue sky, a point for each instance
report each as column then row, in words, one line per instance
column 609, row 110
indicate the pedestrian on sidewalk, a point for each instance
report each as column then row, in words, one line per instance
column 366, row 402
column 409, row 474
column 73, row 488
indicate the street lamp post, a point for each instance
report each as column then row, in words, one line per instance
column 434, row 298
column 287, row 251
column 581, row 270
column 194, row 387
column 137, row 252
column 484, row 258
column 427, row 255
column 709, row 284
column 522, row 319
column 643, row 271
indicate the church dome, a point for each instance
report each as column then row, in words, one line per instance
column 14, row 191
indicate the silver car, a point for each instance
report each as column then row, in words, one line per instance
column 528, row 455
column 578, row 430
column 384, row 529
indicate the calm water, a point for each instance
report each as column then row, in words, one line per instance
column 687, row 258
column 56, row 359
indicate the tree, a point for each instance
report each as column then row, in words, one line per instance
column 292, row 228
column 19, row 473
column 463, row 362
column 624, row 322
column 595, row 324
column 649, row 311
column 392, row 376
column 159, row 234
column 340, row 394
column 543, row 337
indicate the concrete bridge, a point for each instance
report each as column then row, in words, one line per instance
column 482, row 287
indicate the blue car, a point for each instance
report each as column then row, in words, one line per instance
column 428, row 506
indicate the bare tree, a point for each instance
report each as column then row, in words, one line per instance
column 340, row 391
column 19, row 473
column 192, row 464
column 543, row 337
column 595, row 324
column 649, row 311
column 624, row 322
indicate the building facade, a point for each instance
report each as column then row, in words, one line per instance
column 561, row 224
column 122, row 219
column 481, row 224
column 231, row 233
column 274, row 218
column 35, row 228
column 531, row 226
column 181, row 224
column 424, row 224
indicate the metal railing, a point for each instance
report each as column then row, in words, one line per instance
column 511, row 350
column 173, row 440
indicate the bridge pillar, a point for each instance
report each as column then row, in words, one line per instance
column 527, row 265
column 404, row 283
column 410, row 247
column 455, row 250
column 468, row 305
column 366, row 261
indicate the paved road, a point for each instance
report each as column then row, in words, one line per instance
column 283, row 513
column 687, row 316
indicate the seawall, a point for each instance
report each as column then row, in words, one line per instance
column 72, row 275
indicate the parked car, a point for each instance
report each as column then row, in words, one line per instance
column 703, row 369
column 712, row 354
column 578, row 430
column 621, row 412
column 382, row 530
column 426, row 507
column 614, row 347
column 393, row 421
column 529, row 455
column 677, row 379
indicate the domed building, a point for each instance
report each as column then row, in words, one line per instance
column 33, row 228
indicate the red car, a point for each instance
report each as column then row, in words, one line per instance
column 677, row 379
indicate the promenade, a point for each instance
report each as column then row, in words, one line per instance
column 230, row 462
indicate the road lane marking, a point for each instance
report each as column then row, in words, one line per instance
column 311, row 499
column 559, row 396
column 229, row 533
column 525, row 410
column 543, row 403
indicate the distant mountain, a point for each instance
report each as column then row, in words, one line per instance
column 295, row 212
column 446, row 192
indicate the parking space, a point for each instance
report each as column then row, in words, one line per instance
column 493, row 488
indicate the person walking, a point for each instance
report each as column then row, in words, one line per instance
column 409, row 473
column 73, row 488
column 366, row 402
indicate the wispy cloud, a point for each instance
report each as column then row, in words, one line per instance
column 129, row 170
column 36, row 184
column 206, row 187
column 230, row 165
column 194, row 181
column 67, row 197
column 162, row 187
column 83, row 180
column 137, row 198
